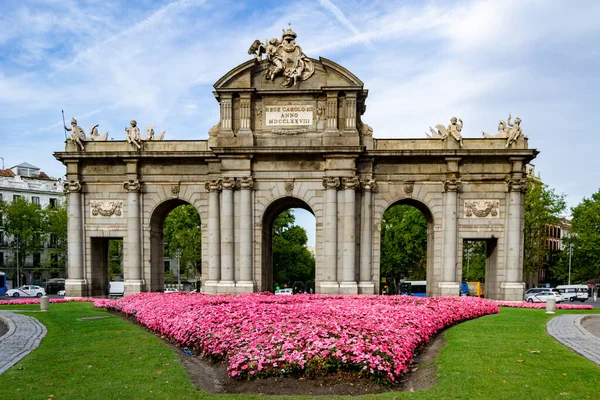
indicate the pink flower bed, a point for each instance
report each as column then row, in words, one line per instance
column 559, row 306
column 35, row 300
column 260, row 335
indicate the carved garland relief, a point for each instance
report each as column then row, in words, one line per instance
column 106, row 208
column 482, row 209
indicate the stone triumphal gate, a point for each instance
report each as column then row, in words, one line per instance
column 291, row 135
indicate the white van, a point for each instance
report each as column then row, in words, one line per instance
column 116, row 289
column 573, row 292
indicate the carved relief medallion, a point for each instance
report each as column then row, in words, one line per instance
column 482, row 209
column 106, row 208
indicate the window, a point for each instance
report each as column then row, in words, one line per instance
column 36, row 260
column 54, row 261
column 53, row 203
column 1, row 259
column 0, row 196
column 53, row 241
column 35, row 200
column 167, row 266
column 16, row 196
column 2, row 239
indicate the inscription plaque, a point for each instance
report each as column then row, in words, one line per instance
column 289, row 115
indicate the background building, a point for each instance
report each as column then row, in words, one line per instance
column 26, row 181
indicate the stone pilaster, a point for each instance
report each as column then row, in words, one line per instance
column 133, row 274
column 350, row 113
column 348, row 284
column 329, row 283
column 332, row 112
column 366, row 284
column 245, row 114
column 226, row 116
column 449, row 286
column 76, row 284
column 227, row 282
column 246, row 282
column 513, row 287
column 214, row 235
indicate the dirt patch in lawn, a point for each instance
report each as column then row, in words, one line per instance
column 211, row 377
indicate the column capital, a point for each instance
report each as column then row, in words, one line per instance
column 369, row 185
column 213, row 185
column 517, row 184
column 71, row 186
column 331, row 182
column 351, row 183
column 132, row 185
column 246, row 182
column 452, row 183
column 228, row 182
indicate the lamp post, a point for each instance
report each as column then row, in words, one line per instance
column 178, row 256
column 570, row 254
column 18, row 275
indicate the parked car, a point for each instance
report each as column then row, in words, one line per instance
column 573, row 292
column 542, row 297
column 171, row 290
column 60, row 293
column 285, row 292
column 27, row 291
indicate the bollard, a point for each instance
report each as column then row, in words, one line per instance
column 44, row 303
column 550, row 305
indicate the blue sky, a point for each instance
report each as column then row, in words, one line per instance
column 107, row 62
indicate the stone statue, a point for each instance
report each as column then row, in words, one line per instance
column 133, row 135
column 150, row 134
column 94, row 136
column 77, row 133
column 514, row 131
column 285, row 58
column 502, row 132
column 443, row 133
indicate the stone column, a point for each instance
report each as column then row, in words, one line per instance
column 76, row 283
column 329, row 283
column 348, row 284
column 246, row 282
column 214, row 235
column 366, row 284
column 133, row 277
column 513, row 287
column 448, row 285
column 227, row 283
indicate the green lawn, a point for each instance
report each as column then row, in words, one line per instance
column 503, row 356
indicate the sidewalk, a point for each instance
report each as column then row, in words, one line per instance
column 23, row 336
column 581, row 333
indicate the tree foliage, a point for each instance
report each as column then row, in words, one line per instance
column 474, row 258
column 291, row 259
column 183, row 238
column 543, row 207
column 584, row 238
column 55, row 232
column 403, row 243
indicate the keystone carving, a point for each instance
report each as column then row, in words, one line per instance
column 108, row 208
column 482, row 208
column 409, row 188
column 175, row 188
column 289, row 187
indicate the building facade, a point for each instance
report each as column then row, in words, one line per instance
column 28, row 182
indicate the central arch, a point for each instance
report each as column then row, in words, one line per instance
column 272, row 211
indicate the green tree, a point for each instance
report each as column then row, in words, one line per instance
column 115, row 258
column 55, row 234
column 474, row 258
column 24, row 228
column 543, row 208
column 291, row 259
column 584, row 237
column 403, row 244
column 183, row 238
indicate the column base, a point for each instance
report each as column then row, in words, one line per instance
column 244, row 287
column 348, row 288
column 512, row 291
column 226, row 287
column 76, row 288
column 210, row 287
column 366, row 288
column 449, row 288
column 329, row 288
column 134, row 286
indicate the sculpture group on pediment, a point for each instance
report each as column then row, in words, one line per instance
column 78, row 135
column 453, row 130
column 285, row 58
column 507, row 130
